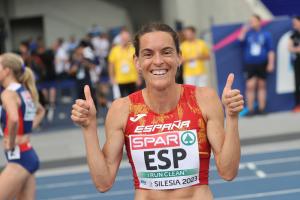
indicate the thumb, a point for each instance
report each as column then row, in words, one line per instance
column 229, row 81
column 87, row 94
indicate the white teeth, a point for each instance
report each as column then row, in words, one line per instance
column 159, row 71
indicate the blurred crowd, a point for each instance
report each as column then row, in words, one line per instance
column 103, row 62
column 68, row 65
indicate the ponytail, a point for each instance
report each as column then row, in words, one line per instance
column 28, row 80
column 23, row 74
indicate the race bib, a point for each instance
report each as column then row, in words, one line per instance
column 14, row 154
column 125, row 68
column 255, row 49
column 193, row 63
column 168, row 160
column 30, row 109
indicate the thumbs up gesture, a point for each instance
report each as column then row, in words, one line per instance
column 231, row 98
column 84, row 111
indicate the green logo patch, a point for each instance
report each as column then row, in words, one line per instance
column 188, row 138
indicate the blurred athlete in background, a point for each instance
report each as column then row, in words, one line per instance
column 20, row 113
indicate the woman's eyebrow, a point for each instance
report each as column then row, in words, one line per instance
column 168, row 48
column 143, row 50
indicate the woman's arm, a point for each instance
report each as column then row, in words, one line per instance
column 103, row 163
column 40, row 113
column 225, row 142
column 10, row 104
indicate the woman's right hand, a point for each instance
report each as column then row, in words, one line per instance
column 84, row 111
column 8, row 145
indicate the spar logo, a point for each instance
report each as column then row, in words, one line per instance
column 161, row 140
column 188, row 138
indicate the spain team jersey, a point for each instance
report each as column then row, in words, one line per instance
column 124, row 68
column 26, row 111
column 191, row 50
column 170, row 150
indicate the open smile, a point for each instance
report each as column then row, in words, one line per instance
column 159, row 72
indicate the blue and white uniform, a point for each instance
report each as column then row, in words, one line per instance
column 22, row 154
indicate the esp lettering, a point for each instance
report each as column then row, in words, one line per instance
column 177, row 154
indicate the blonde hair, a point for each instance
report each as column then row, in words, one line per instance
column 23, row 74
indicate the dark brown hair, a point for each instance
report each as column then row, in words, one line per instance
column 191, row 28
column 257, row 17
column 154, row 27
column 297, row 17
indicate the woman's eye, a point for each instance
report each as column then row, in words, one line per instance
column 167, row 53
column 147, row 55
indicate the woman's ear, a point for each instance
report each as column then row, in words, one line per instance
column 7, row 71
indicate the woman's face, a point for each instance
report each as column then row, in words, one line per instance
column 189, row 34
column 23, row 49
column 296, row 24
column 158, row 59
column 254, row 22
column 125, row 37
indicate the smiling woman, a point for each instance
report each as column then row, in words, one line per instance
column 167, row 159
column 157, row 55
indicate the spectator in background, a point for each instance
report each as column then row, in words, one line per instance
column 62, row 67
column 94, row 30
column 294, row 48
column 116, row 40
column 101, row 48
column 32, row 44
column 121, row 66
column 71, row 45
column 81, row 67
column 33, row 60
column 62, row 64
column 194, row 54
column 25, row 52
column 259, row 60
column 48, row 78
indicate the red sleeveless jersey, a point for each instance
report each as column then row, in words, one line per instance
column 170, row 150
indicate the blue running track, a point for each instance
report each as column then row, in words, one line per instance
column 264, row 176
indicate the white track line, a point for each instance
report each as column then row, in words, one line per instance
column 124, row 192
column 78, row 183
column 72, row 170
column 88, row 196
column 125, row 164
column 251, row 166
column 262, row 194
column 249, row 178
column 261, row 174
column 243, row 165
column 129, row 177
column 277, row 160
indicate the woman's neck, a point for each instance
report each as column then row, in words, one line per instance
column 9, row 81
column 162, row 101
